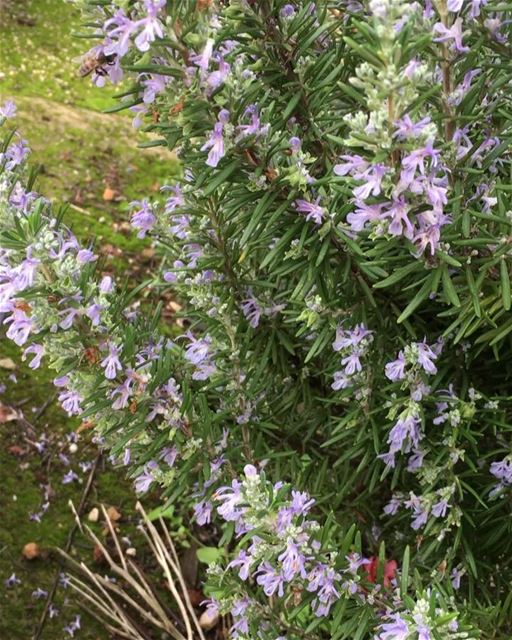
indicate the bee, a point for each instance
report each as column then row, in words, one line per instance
column 95, row 61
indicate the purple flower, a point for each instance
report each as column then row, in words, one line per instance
column 215, row 142
column 454, row 5
column 198, row 350
column 406, row 428
column 363, row 214
column 392, row 506
column 439, row 509
column 346, row 338
column 230, row 497
column 395, row 370
column 38, row 351
column 400, row 223
column 203, row 512
column 244, row 561
column 353, row 165
column 425, row 357
column 406, row 128
column 73, row 626
column 270, row 580
column 372, row 181
column 16, row 153
column 288, row 11
column 295, row 144
column 39, row 593
column 21, row 327
column 251, row 310
column 111, row 363
column 292, row 562
column 455, row 576
column 8, row 109
column 352, row 363
column 202, row 60
column 453, row 33
column 254, row 128
column 397, row 629
column 144, row 218
column 106, row 285
column 153, row 85
column 146, row 478
column 151, row 25
column 70, row 477
column 313, row 210
column 70, row 402
column 502, row 470
column 85, row 255
column 12, row 581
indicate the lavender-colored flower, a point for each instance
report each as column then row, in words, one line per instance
column 295, row 144
column 454, row 33
column 395, row 370
column 106, row 285
column 69, row 477
column 16, row 153
column 153, row 85
column 312, row 210
column 251, row 310
column 346, row 338
column 244, row 560
column 144, row 218
column 38, row 351
column 39, row 593
column 215, row 142
column 202, row 60
column 111, row 363
column 152, row 27
column 397, row 629
column 392, row 506
column 12, row 581
column 292, row 562
column 406, row 128
column 270, row 580
column 353, row 165
column 146, row 478
column 198, row 349
column 400, row 223
column 70, row 402
column 288, row 11
column 439, row 509
column 372, row 182
column 85, row 255
column 425, row 357
column 176, row 200
column 169, row 455
column 21, row 326
column 73, row 626
column 230, row 497
column 8, row 109
column 363, row 214
column 203, row 512
column 455, row 577
column 254, row 128
column 454, row 5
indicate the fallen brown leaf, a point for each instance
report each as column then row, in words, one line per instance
column 31, row 551
column 113, row 514
column 109, row 194
column 7, row 363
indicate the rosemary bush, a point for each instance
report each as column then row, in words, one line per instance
column 338, row 406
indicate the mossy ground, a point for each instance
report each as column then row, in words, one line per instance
column 82, row 154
